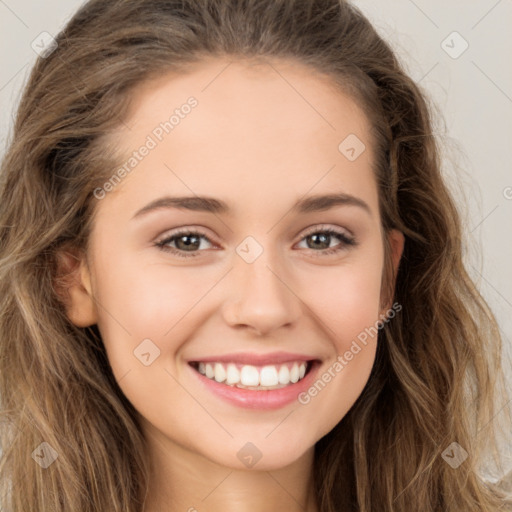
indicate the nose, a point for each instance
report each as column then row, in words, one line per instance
column 260, row 296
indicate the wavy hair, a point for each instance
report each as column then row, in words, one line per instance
column 437, row 376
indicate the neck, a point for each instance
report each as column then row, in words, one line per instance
column 182, row 480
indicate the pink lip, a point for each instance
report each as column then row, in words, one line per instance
column 255, row 359
column 254, row 399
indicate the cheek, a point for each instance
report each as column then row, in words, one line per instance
column 150, row 309
column 345, row 298
column 346, row 302
column 144, row 302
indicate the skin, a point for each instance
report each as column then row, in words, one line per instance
column 258, row 144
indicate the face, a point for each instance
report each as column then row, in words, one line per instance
column 262, row 280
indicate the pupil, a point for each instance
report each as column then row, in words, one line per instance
column 323, row 239
column 188, row 245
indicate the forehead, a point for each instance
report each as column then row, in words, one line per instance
column 264, row 129
column 235, row 92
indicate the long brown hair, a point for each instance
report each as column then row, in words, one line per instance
column 437, row 376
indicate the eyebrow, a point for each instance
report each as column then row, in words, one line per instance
column 309, row 204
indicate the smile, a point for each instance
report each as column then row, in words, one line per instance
column 253, row 377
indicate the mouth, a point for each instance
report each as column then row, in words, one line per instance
column 259, row 378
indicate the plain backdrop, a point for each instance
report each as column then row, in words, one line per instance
column 458, row 51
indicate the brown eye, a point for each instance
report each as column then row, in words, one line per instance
column 187, row 242
column 184, row 241
column 320, row 241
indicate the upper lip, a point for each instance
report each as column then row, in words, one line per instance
column 255, row 359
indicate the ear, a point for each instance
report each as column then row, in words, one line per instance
column 73, row 285
column 395, row 246
column 396, row 241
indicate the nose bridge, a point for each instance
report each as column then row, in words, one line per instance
column 259, row 295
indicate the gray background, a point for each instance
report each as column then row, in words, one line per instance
column 472, row 91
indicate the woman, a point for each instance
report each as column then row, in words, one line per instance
column 172, row 335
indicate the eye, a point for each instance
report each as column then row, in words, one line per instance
column 185, row 241
column 321, row 238
column 188, row 241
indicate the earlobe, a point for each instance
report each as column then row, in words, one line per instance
column 73, row 286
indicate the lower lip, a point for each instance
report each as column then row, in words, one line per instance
column 264, row 399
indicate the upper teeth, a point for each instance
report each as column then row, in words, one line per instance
column 248, row 375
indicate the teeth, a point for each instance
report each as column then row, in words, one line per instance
column 233, row 375
column 209, row 371
column 269, row 376
column 249, row 376
column 220, row 373
column 284, row 375
column 294, row 374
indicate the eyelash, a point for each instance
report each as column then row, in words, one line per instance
column 346, row 241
